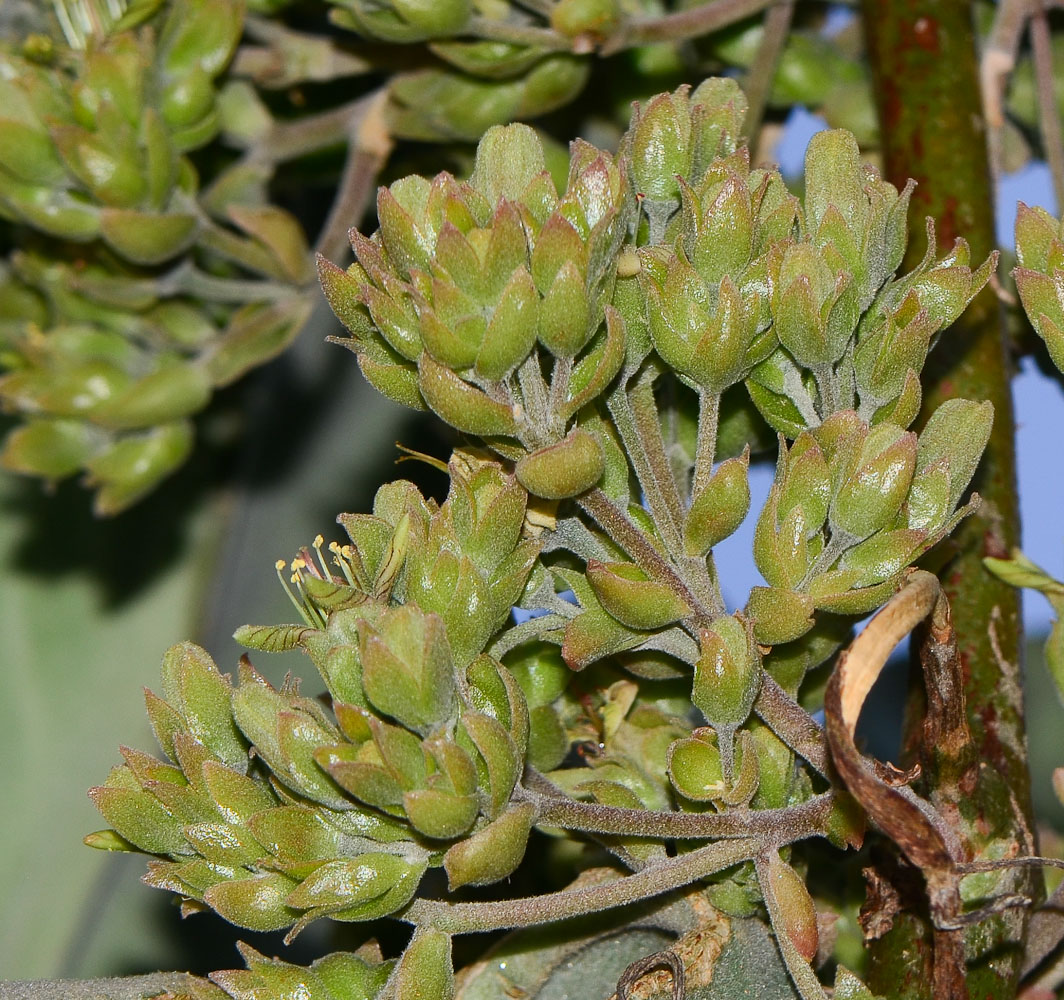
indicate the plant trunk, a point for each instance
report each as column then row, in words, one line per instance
column 924, row 62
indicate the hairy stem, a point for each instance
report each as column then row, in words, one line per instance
column 786, row 825
column 672, row 873
column 683, row 24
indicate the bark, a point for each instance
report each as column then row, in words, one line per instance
column 924, row 62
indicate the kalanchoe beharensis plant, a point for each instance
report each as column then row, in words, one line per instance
column 602, row 350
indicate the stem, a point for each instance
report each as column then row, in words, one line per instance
column 661, row 491
column 762, row 72
column 828, row 386
column 673, row 873
column 621, row 530
column 559, row 390
column 769, row 825
column 517, row 34
column 683, row 24
column 706, row 450
column 923, row 59
column 369, row 145
column 791, row 723
column 1048, row 118
column 292, row 139
column 119, row 988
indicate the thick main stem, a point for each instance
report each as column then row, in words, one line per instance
column 923, row 59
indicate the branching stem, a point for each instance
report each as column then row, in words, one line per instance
column 672, row 873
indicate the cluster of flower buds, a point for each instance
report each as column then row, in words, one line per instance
column 469, row 287
column 132, row 305
column 418, row 763
column 1040, row 276
column 851, row 335
column 853, row 506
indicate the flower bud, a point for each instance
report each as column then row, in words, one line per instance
column 256, row 903
column 562, row 470
column 661, row 146
column 695, row 768
column 634, row 600
column 493, row 852
column 728, row 673
column 425, row 971
column 407, row 670
column 873, row 492
column 779, row 615
column 720, row 507
column 789, row 904
column 573, row 18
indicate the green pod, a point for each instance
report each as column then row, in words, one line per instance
column 719, row 507
column 493, row 852
column 296, row 835
column 883, row 555
column 565, row 316
column 138, row 816
column 566, row 469
column 728, row 673
column 135, row 464
column 512, row 329
column 624, row 590
column 779, row 615
column 873, row 492
column 224, row 844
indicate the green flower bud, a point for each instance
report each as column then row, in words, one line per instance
column 199, row 34
column 695, row 768
column 1043, row 301
column 815, row 306
column 894, row 346
column 709, row 335
column 51, row 449
column 872, row 494
column 660, row 146
column 407, row 670
column 548, row 742
column 566, row 469
column 135, row 464
column 719, row 229
column 790, row 904
column 720, row 507
column 406, row 21
column 496, row 757
column 425, row 971
column 728, row 672
column 257, row 903
column 361, row 888
column 779, row 615
column 574, row 18
column 460, row 404
column 493, row 852
column 956, row 432
column 168, row 394
column 883, row 555
column 625, row 592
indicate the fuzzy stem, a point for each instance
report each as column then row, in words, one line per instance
column 662, row 488
column 672, row 873
column 770, row 825
column 792, row 724
column 706, row 449
column 684, row 24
